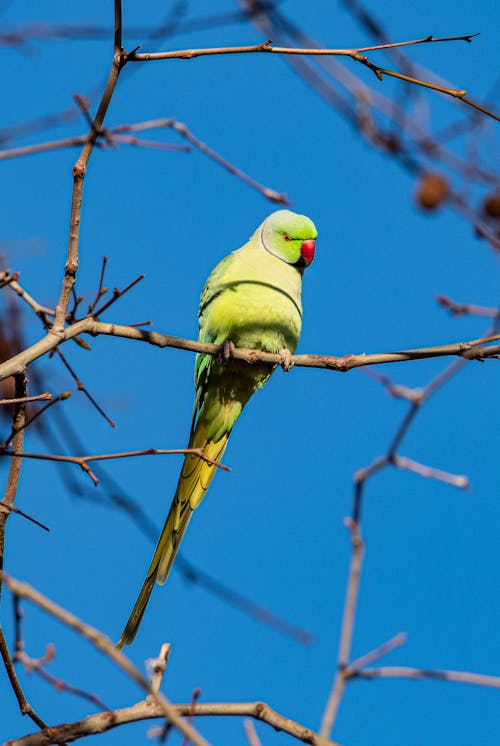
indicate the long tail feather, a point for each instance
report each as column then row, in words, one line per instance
column 195, row 477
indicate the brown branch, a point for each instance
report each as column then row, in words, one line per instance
column 82, row 461
column 8, row 504
column 79, row 170
column 42, row 312
column 406, row 672
column 189, row 54
column 150, row 144
column 476, row 349
column 37, row 665
column 117, row 294
column 268, row 193
column 53, row 400
column 453, row 92
column 147, row 710
column 375, row 654
column 100, row 290
column 355, row 54
column 46, row 396
column 24, row 706
column 81, row 386
column 251, row 733
column 32, row 303
column 15, row 464
column 13, row 509
column 194, row 699
column 105, row 646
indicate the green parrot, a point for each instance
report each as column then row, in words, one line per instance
column 251, row 299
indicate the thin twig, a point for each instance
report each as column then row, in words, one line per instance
column 24, row 706
column 100, row 290
column 83, row 461
column 116, row 294
column 79, row 170
column 37, row 665
column 270, row 194
column 53, row 400
column 18, row 511
column 46, row 396
column 251, row 732
column 141, row 142
column 469, row 309
column 114, row 137
column 355, row 54
column 407, row 672
column 375, row 654
column 266, row 47
column 81, row 387
column 159, row 666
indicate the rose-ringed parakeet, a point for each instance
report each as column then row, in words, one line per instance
column 251, row 299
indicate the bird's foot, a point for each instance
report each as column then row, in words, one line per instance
column 226, row 351
column 286, row 361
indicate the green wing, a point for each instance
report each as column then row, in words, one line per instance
column 213, row 287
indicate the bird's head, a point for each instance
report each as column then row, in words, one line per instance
column 290, row 237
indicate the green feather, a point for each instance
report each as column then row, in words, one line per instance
column 253, row 298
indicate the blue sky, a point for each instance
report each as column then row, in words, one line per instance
column 273, row 527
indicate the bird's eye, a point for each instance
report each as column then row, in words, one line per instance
column 286, row 237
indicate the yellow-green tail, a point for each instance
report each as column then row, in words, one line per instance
column 195, row 477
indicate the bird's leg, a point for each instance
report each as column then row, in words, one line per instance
column 286, row 361
column 226, row 351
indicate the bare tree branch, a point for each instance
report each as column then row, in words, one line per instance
column 355, row 54
column 83, row 461
column 79, row 170
column 147, row 710
column 406, row 672
column 105, row 646
column 476, row 349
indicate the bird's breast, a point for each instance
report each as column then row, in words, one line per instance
column 257, row 313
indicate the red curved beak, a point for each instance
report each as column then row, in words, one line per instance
column 307, row 250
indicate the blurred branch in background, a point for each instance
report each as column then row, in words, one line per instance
column 392, row 128
column 346, row 671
